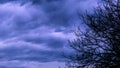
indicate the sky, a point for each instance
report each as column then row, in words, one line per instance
column 35, row 33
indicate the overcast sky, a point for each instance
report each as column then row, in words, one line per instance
column 34, row 33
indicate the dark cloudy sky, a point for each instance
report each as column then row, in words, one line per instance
column 34, row 33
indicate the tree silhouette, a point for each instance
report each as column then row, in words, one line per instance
column 99, row 45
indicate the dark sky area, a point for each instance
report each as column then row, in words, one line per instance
column 34, row 33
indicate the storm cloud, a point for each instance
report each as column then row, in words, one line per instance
column 38, row 30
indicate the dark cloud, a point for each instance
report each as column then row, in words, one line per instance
column 38, row 30
column 32, row 1
column 51, row 42
column 25, row 53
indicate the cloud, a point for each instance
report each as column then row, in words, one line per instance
column 35, row 47
column 38, row 30
column 29, row 53
column 31, row 64
column 16, row 18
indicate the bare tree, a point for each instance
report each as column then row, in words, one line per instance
column 99, row 45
